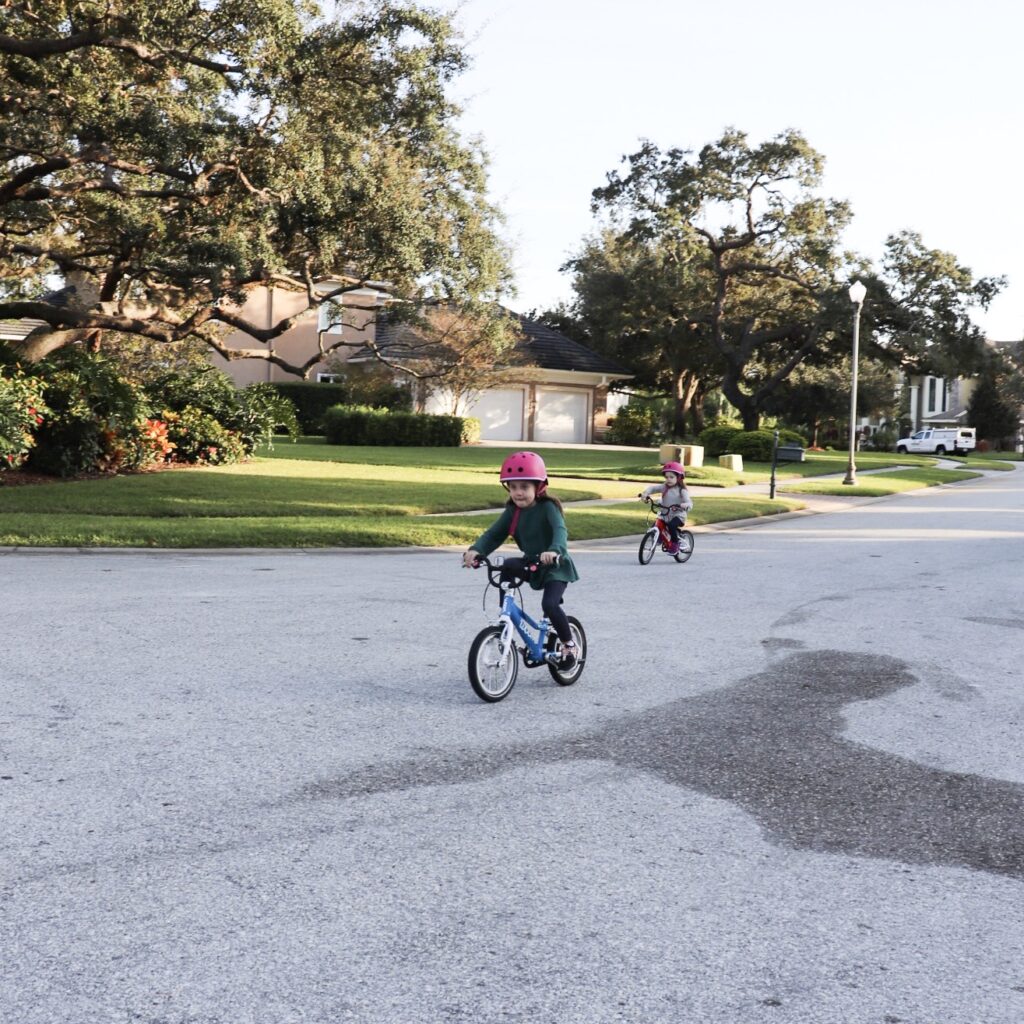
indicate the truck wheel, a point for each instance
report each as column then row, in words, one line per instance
column 940, row 449
column 901, row 449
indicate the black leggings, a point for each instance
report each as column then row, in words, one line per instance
column 551, row 602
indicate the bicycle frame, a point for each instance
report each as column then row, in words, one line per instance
column 661, row 524
column 514, row 617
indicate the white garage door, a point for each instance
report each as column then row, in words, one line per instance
column 561, row 416
column 500, row 413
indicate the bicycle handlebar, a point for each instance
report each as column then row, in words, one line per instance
column 533, row 564
column 664, row 508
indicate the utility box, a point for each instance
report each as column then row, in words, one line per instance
column 790, row 453
column 733, row 462
column 670, row 453
column 693, row 455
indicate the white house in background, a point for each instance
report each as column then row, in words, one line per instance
column 942, row 402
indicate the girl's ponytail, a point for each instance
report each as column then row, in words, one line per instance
column 548, row 496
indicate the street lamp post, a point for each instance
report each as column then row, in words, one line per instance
column 857, row 293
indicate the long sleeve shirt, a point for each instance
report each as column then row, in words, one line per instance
column 677, row 495
column 541, row 528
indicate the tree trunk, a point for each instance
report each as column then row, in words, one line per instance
column 686, row 386
column 743, row 403
column 697, row 410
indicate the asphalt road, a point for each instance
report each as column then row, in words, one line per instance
column 788, row 788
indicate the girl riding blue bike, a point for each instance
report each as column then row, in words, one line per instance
column 534, row 520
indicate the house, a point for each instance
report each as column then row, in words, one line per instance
column 317, row 331
column 560, row 391
column 931, row 401
column 940, row 402
column 555, row 390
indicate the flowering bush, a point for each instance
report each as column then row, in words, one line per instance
column 94, row 416
column 135, row 446
column 198, row 438
column 21, row 413
column 154, row 433
column 253, row 414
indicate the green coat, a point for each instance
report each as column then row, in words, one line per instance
column 541, row 528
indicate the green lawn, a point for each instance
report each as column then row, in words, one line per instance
column 586, row 463
column 293, row 503
column 877, row 485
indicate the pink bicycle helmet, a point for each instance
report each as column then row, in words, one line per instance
column 525, row 466
column 674, row 467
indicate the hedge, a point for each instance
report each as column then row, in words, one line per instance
column 756, row 445
column 362, row 425
column 313, row 400
column 718, row 440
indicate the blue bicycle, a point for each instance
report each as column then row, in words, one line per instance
column 494, row 654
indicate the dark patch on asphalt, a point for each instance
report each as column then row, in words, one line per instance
column 988, row 621
column 772, row 745
column 778, row 643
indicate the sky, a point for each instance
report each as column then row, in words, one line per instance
column 915, row 104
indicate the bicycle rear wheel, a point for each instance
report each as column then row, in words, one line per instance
column 648, row 545
column 492, row 667
column 685, row 546
column 569, row 676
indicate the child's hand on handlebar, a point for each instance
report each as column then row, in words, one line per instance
column 470, row 559
column 547, row 557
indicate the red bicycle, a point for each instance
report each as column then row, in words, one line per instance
column 658, row 532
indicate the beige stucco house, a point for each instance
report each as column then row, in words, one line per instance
column 561, row 389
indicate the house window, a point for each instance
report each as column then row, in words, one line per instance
column 329, row 378
column 931, row 394
column 330, row 318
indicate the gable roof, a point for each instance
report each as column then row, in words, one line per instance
column 550, row 349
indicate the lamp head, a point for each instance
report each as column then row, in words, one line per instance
column 857, row 292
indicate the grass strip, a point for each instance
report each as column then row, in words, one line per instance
column 289, row 531
column 878, row 485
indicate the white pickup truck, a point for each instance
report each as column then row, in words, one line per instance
column 938, row 441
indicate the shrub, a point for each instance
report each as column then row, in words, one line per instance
column 787, row 436
column 311, row 401
column 753, row 445
column 204, row 388
column 718, row 440
column 882, row 440
column 95, row 416
column 199, row 438
column 633, row 424
column 362, row 425
column 252, row 414
column 136, row 446
column 263, row 412
column 21, row 413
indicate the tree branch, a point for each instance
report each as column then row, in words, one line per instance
column 38, row 49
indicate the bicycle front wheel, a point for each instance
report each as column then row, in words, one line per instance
column 492, row 666
column 685, row 546
column 647, row 546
